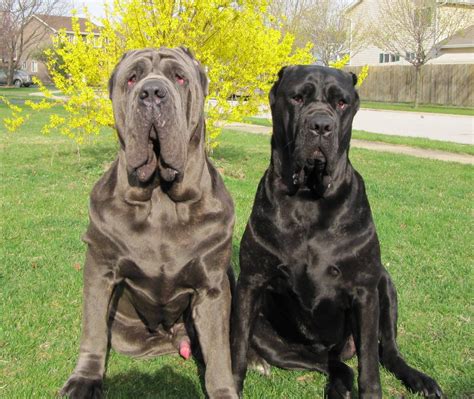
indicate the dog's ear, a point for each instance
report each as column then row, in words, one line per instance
column 354, row 78
column 272, row 95
column 114, row 73
column 202, row 74
column 204, row 79
column 187, row 51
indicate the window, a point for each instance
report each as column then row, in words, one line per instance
column 94, row 40
column 24, row 66
column 387, row 57
column 410, row 56
column 34, row 66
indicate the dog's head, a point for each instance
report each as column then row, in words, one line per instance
column 158, row 99
column 312, row 110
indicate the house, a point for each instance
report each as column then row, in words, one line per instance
column 41, row 29
column 457, row 49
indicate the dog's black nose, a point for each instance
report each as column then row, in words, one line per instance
column 153, row 90
column 321, row 124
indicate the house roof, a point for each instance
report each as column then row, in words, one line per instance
column 56, row 22
column 352, row 5
column 462, row 39
column 468, row 2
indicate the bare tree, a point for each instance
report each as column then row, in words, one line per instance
column 415, row 29
column 288, row 17
column 326, row 26
column 322, row 23
column 15, row 15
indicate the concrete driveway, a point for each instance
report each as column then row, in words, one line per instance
column 458, row 129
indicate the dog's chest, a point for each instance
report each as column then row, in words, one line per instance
column 333, row 249
column 158, row 242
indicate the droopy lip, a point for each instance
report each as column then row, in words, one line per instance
column 153, row 162
column 315, row 164
column 146, row 171
column 317, row 157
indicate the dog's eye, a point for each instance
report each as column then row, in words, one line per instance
column 297, row 99
column 179, row 79
column 341, row 105
column 132, row 80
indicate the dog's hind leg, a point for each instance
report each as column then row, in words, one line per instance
column 134, row 339
column 390, row 356
column 278, row 352
column 130, row 334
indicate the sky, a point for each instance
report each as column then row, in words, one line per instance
column 95, row 7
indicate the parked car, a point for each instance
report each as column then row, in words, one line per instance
column 20, row 78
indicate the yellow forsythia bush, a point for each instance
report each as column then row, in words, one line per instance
column 232, row 39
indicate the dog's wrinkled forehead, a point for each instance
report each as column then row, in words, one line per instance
column 314, row 81
column 166, row 62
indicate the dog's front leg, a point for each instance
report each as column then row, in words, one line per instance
column 86, row 380
column 243, row 316
column 211, row 316
column 366, row 320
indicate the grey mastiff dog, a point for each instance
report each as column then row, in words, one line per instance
column 312, row 283
column 157, row 277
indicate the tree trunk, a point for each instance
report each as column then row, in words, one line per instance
column 417, row 84
column 10, row 70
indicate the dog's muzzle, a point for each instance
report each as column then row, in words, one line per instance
column 156, row 141
column 314, row 152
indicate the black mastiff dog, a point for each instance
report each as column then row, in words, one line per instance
column 311, row 274
column 157, row 270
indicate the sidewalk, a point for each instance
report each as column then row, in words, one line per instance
column 453, row 128
column 371, row 145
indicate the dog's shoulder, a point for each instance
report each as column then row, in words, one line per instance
column 218, row 188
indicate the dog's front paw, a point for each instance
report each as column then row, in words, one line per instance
column 424, row 385
column 336, row 390
column 224, row 393
column 260, row 365
column 77, row 387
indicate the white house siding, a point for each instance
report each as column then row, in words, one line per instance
column 452, row 56
column 363, row 13
column 371, row 56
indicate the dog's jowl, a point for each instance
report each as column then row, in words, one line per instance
column 157, row 276
column 312, row 289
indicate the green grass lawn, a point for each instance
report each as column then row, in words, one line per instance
column 422, row 209
column 18, row 94
column 417, row 142
column 437, row 109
